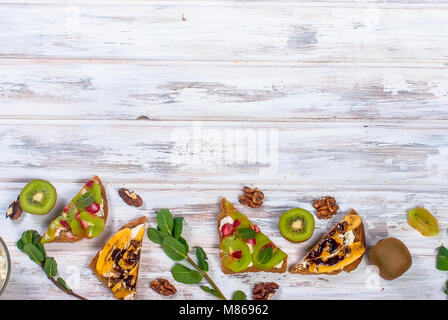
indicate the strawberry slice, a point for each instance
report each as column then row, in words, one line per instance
column 226, row 230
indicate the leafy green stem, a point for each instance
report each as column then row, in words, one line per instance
column 63, row 288
column 205, row 275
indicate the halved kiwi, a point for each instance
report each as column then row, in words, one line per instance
column 296, row 225
column 38, row 197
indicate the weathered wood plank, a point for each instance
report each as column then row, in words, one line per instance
column 223, row 91
column 384, row 214
column 275, row 32
column 339, row 153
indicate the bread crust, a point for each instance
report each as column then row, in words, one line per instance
column 223, row 214
column 359, row 234
column 93, row 262
column 65, row 236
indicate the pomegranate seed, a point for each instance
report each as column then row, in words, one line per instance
column 256, row 229
column 237, row 254
column 252, row 241
column 64, row 224
column 93, row 208
column 77, row 215
column 236, row 223
column 66, row 209
column 226, row 230
column 90, row 183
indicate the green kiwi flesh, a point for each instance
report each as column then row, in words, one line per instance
column 38, row 197
column 296, row 225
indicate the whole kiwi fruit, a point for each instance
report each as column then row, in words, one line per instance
column 392, row 258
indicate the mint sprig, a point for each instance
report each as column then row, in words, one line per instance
column 29, row 243
column 168, row 234
column 442, row 259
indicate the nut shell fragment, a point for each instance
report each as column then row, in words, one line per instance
column 14, row 210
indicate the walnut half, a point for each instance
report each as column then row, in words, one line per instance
column 252, row 197
column 264, row 290
column 163, row 287
column 326, row 207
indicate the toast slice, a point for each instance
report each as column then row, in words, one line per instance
column 117, row 264
column 239, row 254
column 341, row 249
column 84, row 217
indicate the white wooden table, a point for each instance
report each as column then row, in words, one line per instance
column 343, row 98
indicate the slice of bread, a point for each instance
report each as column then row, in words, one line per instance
column 223, row 214
column 65, row 236
column 359, row 236
column 92, row 264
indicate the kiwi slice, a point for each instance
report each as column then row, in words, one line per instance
column 424, row 222
column 94, row 224
column 277, row 255
column 236, row 263
column 96, row 191
column 296, row 225
column 38, row 197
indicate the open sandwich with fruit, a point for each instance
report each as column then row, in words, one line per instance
column 243, row 247
column 84, row 217
column 341, row 249
column 117, row 264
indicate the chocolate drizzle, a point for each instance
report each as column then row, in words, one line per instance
column 329, row 243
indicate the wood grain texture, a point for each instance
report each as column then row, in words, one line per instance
column 36, row 89
column 301, row 99
column 240, row 31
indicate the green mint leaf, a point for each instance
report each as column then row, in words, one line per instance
column 27, row 237
column 51, row 267
column 165, row 220
column 20, row 244
column 86, row 200
column 442, row 259
column 265, row 255
column 156, row 236
column 185, row 275
column 178, row 226
column 203, row 265
column 212, row 292
column 63, row 284
column 34, row 253
column 239, row 295
column 173, row 248
column 246, row 233
column 184, row 242
column 202, row 257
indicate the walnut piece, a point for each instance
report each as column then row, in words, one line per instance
column 163, row 287
column 14, row 210
column 326, row 207
column 264, row 290
column 130, row 197
column 252, row 197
